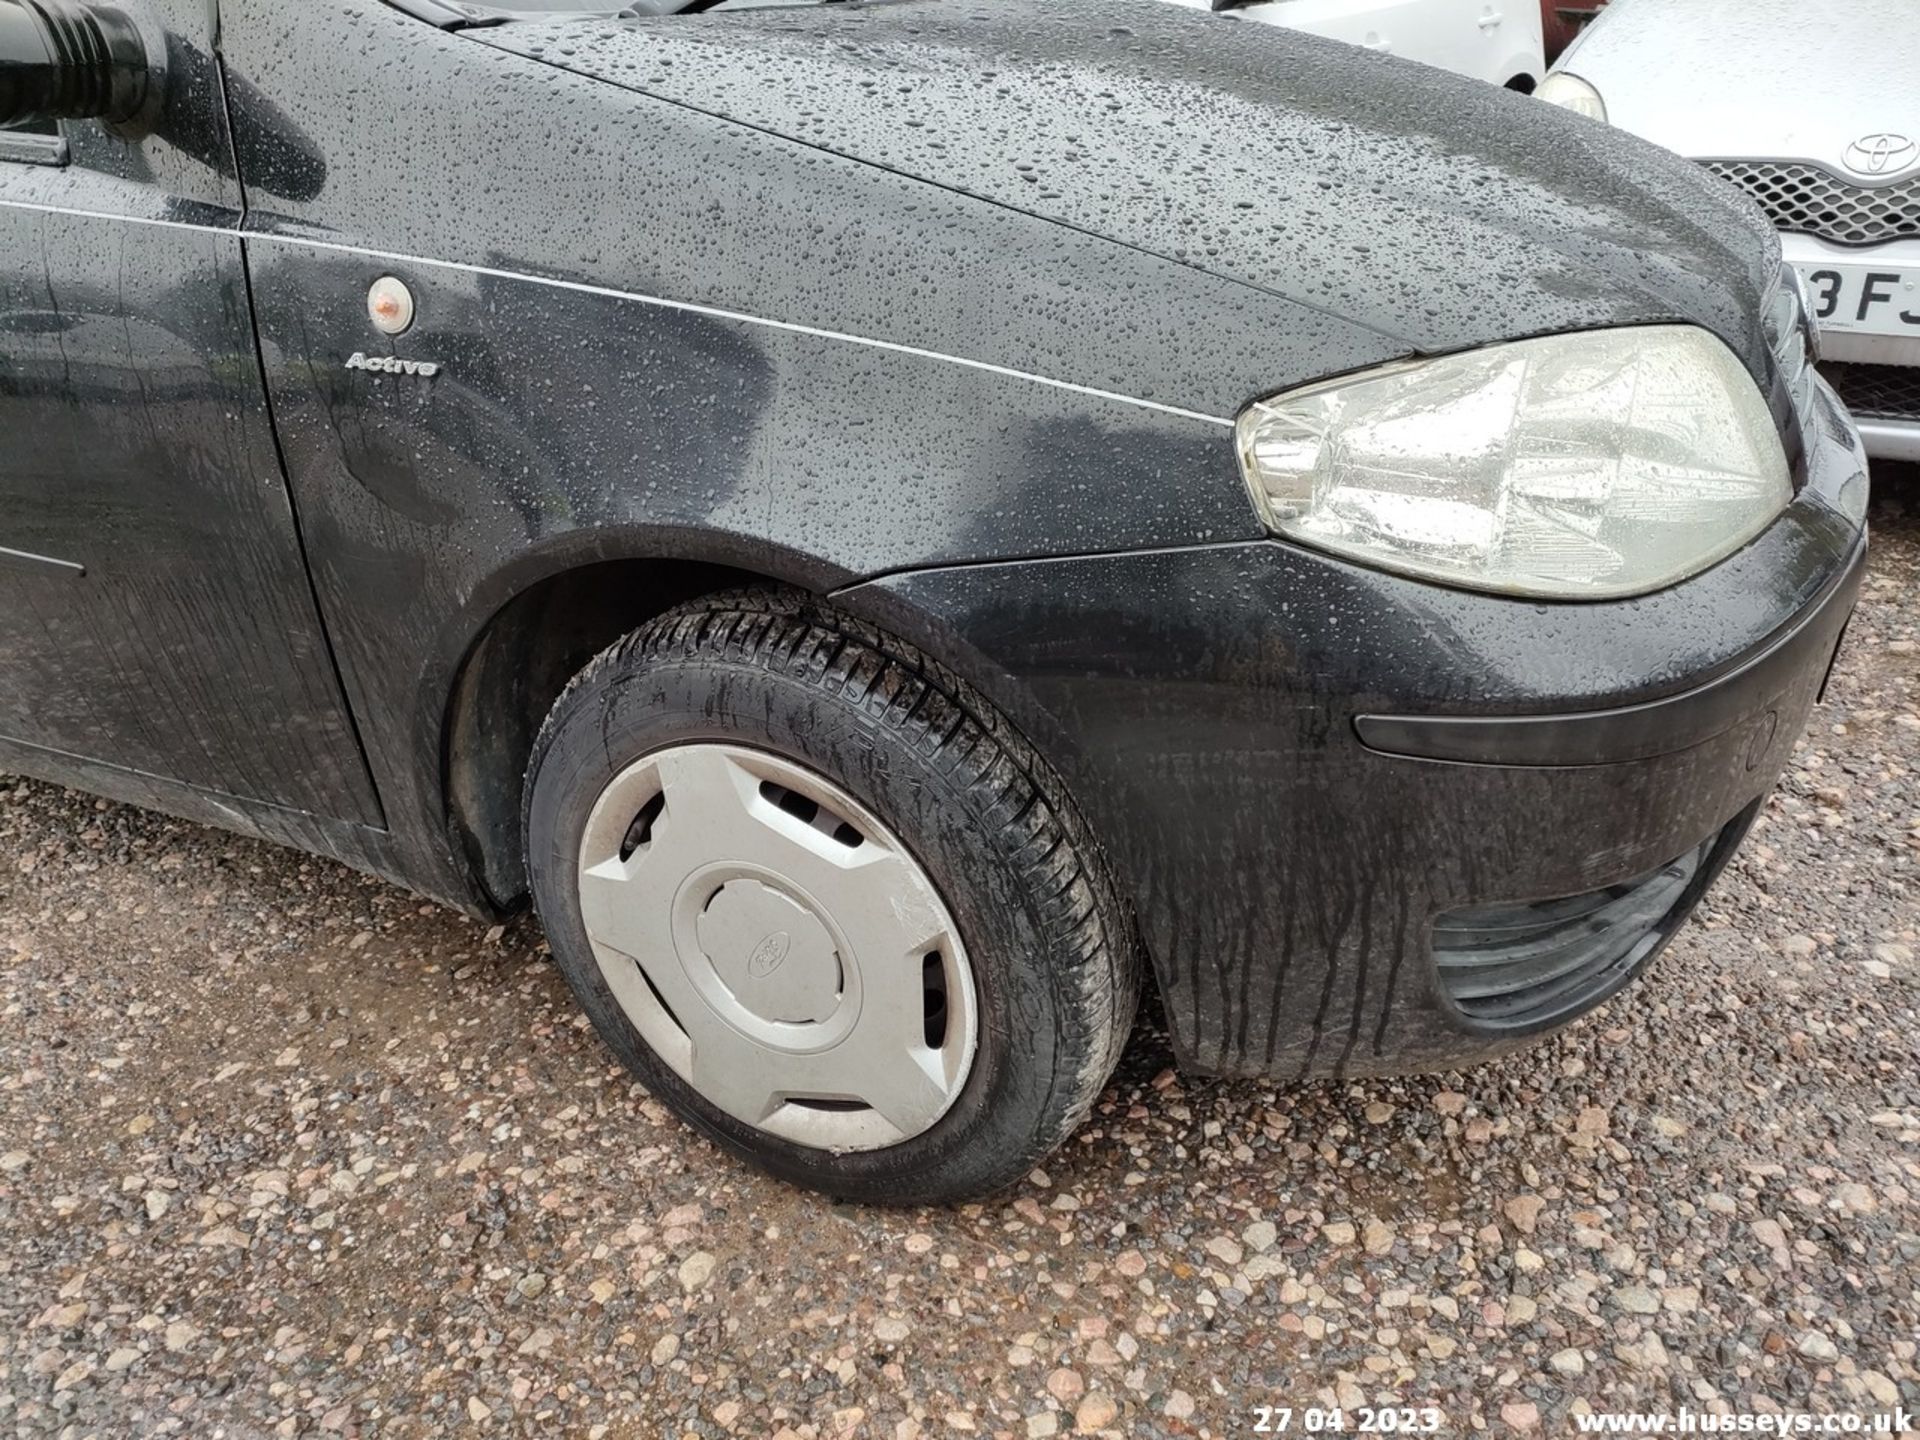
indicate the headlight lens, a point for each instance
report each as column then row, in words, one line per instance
column 1570, row 92
column 1586, row 466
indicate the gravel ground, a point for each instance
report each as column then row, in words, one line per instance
column 288, row 1152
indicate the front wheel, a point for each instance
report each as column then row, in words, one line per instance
column 826, row 903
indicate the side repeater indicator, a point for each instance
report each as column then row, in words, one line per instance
column 390, row 306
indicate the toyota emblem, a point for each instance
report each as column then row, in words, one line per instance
column 1882, row 154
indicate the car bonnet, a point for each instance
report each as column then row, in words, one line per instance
column 1433, row 209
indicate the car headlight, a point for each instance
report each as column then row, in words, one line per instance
column 1570, row 92
column 1583, row 466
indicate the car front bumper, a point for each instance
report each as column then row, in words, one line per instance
column 1895, row 439
column 1329, row 791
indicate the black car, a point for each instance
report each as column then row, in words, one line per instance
column 895, row 522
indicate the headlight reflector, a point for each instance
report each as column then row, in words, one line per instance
column 1570, row 92
column 1584, row 466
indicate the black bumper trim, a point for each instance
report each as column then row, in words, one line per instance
column 1631, row 732
column 1530, row 966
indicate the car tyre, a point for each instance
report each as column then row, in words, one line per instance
column 890, row 744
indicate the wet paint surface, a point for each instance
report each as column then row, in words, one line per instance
column 842, row 293
column 1424, row 207
column 180, row 638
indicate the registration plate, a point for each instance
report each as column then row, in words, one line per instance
column 1864, row 299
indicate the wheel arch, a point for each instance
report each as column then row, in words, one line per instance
column 537, row 622
column 530, row 629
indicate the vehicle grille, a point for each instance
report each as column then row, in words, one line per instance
column 1810, row 201
column 1533, row 963
column 1876, row 392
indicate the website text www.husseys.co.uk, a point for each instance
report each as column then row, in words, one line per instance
column 1701, row 1422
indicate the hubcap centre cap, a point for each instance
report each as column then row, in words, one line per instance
column 771, row 953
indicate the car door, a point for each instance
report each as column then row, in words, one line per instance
column 1493, row 40
column 157, row 622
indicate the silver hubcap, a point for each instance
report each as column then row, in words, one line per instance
column 778, row 947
